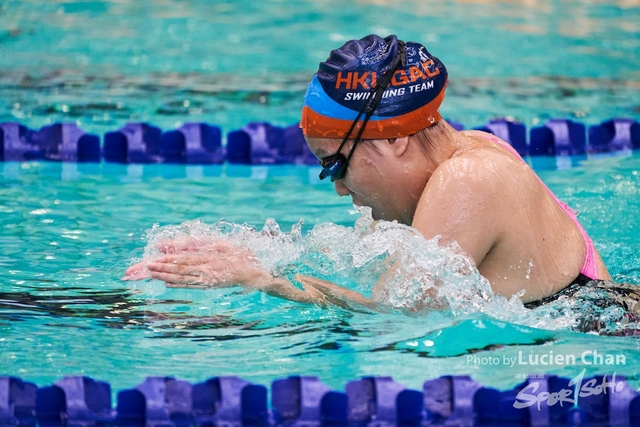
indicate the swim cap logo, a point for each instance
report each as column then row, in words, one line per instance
column 415, row 85
column 354, row 80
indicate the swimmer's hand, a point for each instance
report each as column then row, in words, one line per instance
column 140, row 271
column 136, row 272
column 222, row 265
column 219, row 265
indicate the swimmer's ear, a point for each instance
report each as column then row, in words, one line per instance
column 399, row 145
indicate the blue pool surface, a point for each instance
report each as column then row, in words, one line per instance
column 69, row 230
column 103, row 63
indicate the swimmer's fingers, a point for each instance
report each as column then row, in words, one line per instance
column 184, row 285
column 137, row 271
column 169, row 277
column 177, row 246
column 213, row 258
column 182, row 259
column 184, row 244
column 140, row 270
column 180, row 280
column 172, row 273
column 225, row 249
column 181, row 270
column 186, row 274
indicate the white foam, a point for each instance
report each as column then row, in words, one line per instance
column 389, row 262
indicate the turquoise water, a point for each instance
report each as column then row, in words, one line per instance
column 69, row 231
column 102, row 63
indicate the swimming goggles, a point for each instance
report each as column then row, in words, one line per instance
column 335, row 166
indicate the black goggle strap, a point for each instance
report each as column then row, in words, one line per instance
column 371, row 104
column 373, row 101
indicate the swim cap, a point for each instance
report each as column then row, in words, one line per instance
column 344, row 82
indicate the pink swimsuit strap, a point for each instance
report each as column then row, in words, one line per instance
column 589, row 267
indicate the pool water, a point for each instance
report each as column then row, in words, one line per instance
column 105, row 62
column 69, row 230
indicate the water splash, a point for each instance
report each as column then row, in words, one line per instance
column 388, row 262
column 272, row 247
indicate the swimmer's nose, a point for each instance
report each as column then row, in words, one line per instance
column 341, row 189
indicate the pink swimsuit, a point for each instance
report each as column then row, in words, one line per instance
column 589, row 267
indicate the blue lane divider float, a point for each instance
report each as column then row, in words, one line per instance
column 263, row 143
column 68, row 143
column 61, row 142
column 134, row 143
column 193, row 143
column 74, row 398
column 614, row 135
column 383, row 402
column 297, row 401
column 17, row 401
column 17, row 144
column 558, row 137
column 304, row 401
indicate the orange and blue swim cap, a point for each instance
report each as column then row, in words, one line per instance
column 345, row 80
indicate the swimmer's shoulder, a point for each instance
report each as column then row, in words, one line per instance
column 483, row 179
column 470, row 181
column 482, row 164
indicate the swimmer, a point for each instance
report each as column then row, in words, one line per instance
column 370, row 116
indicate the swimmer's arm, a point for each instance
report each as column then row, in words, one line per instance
column 315, row 291
column 223, row 265
column 334, row 294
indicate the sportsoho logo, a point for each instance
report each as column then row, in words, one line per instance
column 528, row 397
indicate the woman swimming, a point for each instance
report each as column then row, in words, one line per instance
column 371, row 117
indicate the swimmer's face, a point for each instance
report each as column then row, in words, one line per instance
column 368, row 179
